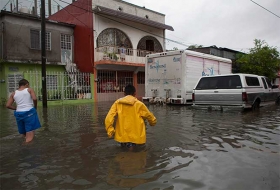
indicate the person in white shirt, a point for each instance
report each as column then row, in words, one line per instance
column 25, row 110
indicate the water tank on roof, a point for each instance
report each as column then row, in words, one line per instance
column 24, row 10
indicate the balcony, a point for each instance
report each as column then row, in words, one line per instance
column 120, row 54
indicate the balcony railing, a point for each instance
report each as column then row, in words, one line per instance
column 116, row 53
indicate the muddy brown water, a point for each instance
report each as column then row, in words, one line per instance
column 187, row 149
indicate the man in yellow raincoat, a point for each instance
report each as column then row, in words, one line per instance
column 130, row 114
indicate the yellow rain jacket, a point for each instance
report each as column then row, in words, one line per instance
column 130, row 114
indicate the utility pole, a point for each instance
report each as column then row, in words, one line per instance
column 43, row 53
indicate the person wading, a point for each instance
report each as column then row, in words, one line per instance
column 129, row 114
column 25, row 110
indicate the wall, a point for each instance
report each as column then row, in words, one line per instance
column 20, row 68
column 17, row 41
column 101, row 23
column 83, row 34
column 131, row 9
column 134, row 35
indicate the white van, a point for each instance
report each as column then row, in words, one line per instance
column 170, row 76
column 238, row 90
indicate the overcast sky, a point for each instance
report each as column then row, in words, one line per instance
column 231, row 24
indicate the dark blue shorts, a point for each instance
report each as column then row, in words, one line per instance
column 27, row 121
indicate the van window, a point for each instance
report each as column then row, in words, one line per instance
column 268, row 82
column 252, row 81
column 264, row 83
column 219, row 82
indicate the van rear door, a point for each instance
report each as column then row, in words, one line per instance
column 219, row 90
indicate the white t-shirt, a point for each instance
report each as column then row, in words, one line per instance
column 23, row 100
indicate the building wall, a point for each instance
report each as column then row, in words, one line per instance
column 17, row 42
column 7, row 69
column 227, row 54
column 133, row 34
column 131, row 9
column 83, row 19
column 216, row 52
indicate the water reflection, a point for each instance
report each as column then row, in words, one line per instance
column 187, row 149
column 125, row 169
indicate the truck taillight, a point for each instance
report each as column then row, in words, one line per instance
column 244, row 96
column 193, row 97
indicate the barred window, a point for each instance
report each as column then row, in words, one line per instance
column 51, row 81
column 35, row 39
column 65, row 41
column 35, row 36
column 48, row 41
column 13, row 80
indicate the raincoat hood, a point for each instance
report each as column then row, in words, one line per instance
column 130, row 100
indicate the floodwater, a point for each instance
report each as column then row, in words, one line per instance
column 187, row 149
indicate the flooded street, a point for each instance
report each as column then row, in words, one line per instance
column 187, row 149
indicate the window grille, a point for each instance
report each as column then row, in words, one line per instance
column 141, row 77
column 146, row 44
column 113, row 37
column 65, row 41
column 13, row 80
column 35, row 36
column 35, row 39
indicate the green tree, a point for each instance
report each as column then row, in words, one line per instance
column 194, row 46
column 261, row 60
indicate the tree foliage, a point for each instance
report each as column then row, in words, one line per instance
column 261, row 60
column 194, row 46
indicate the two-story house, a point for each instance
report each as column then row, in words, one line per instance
column 112, row 39
column 20, row 51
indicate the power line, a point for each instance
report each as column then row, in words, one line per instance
column 71, row 14
column 265, row 8
column 128, row 25
column 5, row 5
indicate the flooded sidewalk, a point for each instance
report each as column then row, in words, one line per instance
column 187, row 149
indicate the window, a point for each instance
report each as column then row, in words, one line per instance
column 150, row 45
column 223, row 82
column 141, row 78
column 35, row 39
column 35, row 36
column 48, row 41
column 252, row 81
column 13, row 80
column 51, row 81
column 65, row 41
column 264, row 83
column 268, row 82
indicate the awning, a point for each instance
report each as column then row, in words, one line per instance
column 99, row 10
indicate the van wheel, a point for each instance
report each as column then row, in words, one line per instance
column 256, row 105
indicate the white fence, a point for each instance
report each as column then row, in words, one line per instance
column 60, row 85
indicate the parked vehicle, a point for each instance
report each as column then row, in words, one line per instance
column 235, row 90
column 171, row 76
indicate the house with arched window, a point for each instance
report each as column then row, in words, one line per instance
column 111, row 40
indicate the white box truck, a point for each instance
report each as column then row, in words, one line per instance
column 171, row 76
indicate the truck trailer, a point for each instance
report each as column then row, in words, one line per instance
column 171, row 76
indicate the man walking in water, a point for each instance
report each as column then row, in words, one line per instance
column 25, row 110
column 130, row 114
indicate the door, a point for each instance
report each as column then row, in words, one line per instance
column 271, row 93
column 266, row 90
column 150, row 45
